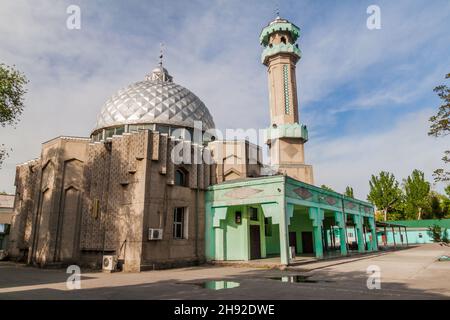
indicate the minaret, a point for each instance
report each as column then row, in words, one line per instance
column 285, row 136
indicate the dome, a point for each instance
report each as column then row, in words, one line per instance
column 156, row 100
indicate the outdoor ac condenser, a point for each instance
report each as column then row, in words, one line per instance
column 155, row 234
column 109, row 263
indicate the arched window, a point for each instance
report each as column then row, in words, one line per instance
column 180, row 178
column 283, row 39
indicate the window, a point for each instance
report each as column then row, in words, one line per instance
column 238, row 217
column 162, row 128
column 283, row 39
column 178, row 223
column 119, row 130
column 180, row 178
column 109, row 133
column 253, row 213
column 96, row 208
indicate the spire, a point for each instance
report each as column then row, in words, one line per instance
column 159, row 73
column 161, row 53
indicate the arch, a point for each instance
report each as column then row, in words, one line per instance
column 181, row 177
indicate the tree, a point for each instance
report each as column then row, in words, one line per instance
column 12, row 91
column 436, row 233
column 440, row 127
column 384, row 192
column 325, row 187
column 447, row 190
column 349, row 192
column 436, row 211
column 417, row 192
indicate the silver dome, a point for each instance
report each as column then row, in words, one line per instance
column 155, row 100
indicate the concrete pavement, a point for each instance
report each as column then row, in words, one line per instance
column 412, row 273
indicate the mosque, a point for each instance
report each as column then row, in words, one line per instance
column 120, row 192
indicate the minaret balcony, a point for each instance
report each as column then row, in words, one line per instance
column 276, row 26
column 288, row 130
column 280, row 48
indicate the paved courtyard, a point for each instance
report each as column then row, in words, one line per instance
column 412, row 273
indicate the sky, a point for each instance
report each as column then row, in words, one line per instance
column 365, row 95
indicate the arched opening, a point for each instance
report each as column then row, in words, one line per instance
column 283, row 39
column 181, row 177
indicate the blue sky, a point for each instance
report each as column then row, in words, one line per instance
column 365, row 94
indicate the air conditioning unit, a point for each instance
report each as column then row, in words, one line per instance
column 109, row 263
column 155, row 234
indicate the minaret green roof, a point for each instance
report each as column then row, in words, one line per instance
column 279, row 25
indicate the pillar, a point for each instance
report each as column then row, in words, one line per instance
column 359, row 232
column 219, row 244
column 393, row 237
column 288, row 212
column 340, row 222
column 373, row 230
column 406, row 234
column 316, row 216
column 214, row 233
column 280, row 215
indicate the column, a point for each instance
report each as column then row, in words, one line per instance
column 246, row 235
column 214, row 233
column 393, row 237
column 278, row 214
column 369, row 242
column 340, row 222
column 316, row 215
column 359, row 232
column 400, row 234
column 288, row 212
column 406, row 234
column 220, row 246
column 209, row 233
column 373, row 230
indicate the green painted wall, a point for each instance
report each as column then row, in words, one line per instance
column 300, row 222
column 273, row 242
column 236, row 235
column 281, row 197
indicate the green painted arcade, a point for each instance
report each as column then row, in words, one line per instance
column 279, row 216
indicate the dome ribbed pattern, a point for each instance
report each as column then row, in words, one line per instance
column 149, row 101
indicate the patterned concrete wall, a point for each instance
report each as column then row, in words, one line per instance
column 81, row 200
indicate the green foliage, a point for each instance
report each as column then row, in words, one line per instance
column 445, row 237
column 440, row 127
column 436, row 210
column 417, row 191
column 447, row 190
column 435, row 232
column 349, row 192
column 325, row 187
column 12, row 91
column 384, row 192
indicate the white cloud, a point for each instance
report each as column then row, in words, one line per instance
column 351, row 160
column 212, row 49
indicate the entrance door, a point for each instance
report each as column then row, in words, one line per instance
column 255, row 242
column 293, row 240
column 307, row 242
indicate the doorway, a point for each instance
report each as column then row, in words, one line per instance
column 255, row 242
column 307, row 242
column 293, row 240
